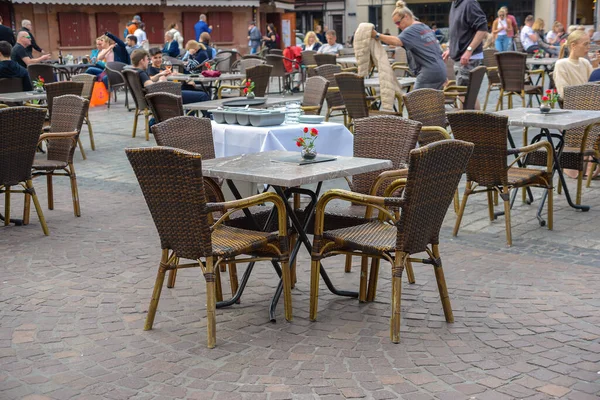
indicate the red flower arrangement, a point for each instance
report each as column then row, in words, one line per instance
column 249, row 87
column 550, row 98
column 307, row 140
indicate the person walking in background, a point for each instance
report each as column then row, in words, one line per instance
column 254, row 37
column 271, row 38
column 500, row 29
column 311, row 42
column 515, row 26
column 171, row 46
column 331, row 47
column 26, row 27
column 133, row 24
column 11, row 69
column 468, row 29
column 418, row 39
column 201, row 26
column 174, row 29
column 140, row 34
column 6, row 34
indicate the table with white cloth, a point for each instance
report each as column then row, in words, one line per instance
column 352, row 60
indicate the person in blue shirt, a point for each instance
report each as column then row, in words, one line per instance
column 201, row 26
column 171, row 46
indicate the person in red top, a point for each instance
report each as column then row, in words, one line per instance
column 515, row 30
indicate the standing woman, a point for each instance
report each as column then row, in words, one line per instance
column 270, row 39
column 420, row 40
column 501, row 28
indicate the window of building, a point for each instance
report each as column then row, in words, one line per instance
column 222, row 23
column 155, row 31
column 375, row 16
column 74, row 29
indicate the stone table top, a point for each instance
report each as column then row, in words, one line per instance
column 17, row 97
column 272, row 100
column 203, row 79
column 403, row 82
column 265, row 168
column 556, row 119
column 541, row 61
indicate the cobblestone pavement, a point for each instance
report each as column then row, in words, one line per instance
column 72, row 308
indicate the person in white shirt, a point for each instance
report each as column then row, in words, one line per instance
column 529, row 39
column 140, row 34
column 331, row 47
column 553, row 37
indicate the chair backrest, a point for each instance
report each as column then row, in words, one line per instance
column 46, row 71
column 308, row 57
column 488, row 165
column 450, row 73
column 518, row 44
column 582, row 97
column 428, row 107
column 323, row 59
column 276, row 61
column 11, row 85
column 278, row 52
column 315, row 90
column 68, row 113
column 328, row 72
column 401, row 56
column 56, row 89
column 244, row 64
column 352, row 88
column 256, row 56
column 346, row 52
column 434, row 172
column 475, row 78
column 489, row 60
column 165, row 106
column 224, row 60
column 385, row 137
column 164, row 87
column 187, row 133
column 260, row 75
column 88, row 84
column 172, row 184
column 114, row 71
column 511, row 70
column 134, row 84
column 20, row 129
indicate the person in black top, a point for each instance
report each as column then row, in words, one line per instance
column 205, row 40
column 6, row 34
column 10, row 69
column 270, row 39
column 19, row 52
column 154, row 70
column 26, row 27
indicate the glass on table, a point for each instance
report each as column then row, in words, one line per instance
column 292, row 111
column 167, row 65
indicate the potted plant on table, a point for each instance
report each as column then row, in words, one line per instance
column 307, row 142
column 249, row 89
column 538, row 53
column 38, row 85
column 548, row 101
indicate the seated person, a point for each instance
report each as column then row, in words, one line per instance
column 119, row 49
column 154, row 70
column 19, row 52
column 132, row 44
column 311, row 41
column 205, row 40
column 331, row 47
column 529, row 39
column 94, row 54
column 141, row 59
column 10, row 68
column 197, row 56
column 171, row 46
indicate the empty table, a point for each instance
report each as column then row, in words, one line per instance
column 21, row 97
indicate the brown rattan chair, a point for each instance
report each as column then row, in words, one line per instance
column 513, row 73
column 315, row 91
column 335, row 102
column 242, row 65
column 11, row 85
column 88, row 87
column 172, row 184
column 132, row 78
column 489, row 61
column 224, row 61
column 475, row 79
column 68, row 113
column 46, row 71
column 433, row 174
column 279, row 71
column 164, row 106
column 325, row 59
column 20, row 129
column 260, row 75
column 164, row 87
column 308, row 58
column 488, row 167
column 114, row 71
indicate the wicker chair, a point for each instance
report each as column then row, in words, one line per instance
column 20, row 129
column 488, row 167
column 475, row 79
column 277, row 52
column 11, row 85
column 315, row 91
column 172, row 184
column 260, row 75
column 335, row 102
column 164, row 87
column 308, row 58
column 114, row 71
column 88, row 87
column 279, row 71
column 346, row 52
column 176, row 63
column 164, row 106
column 132, row 78
column 325, row 59
column 512, row 72
column 433, row 175
column 224, row 61
column 242, row 65
column 489, row 61
column 67, row 116
column 46, row 71
column 581, row 144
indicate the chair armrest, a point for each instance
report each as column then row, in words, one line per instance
column 333, row 89
column 492, row 69
column 4, row 106
column 398, row 64
column 310, row 108
column 455, row 88
column 57, row 135
column 535, row 71
column 438, row 129
column 34, row 105
column 227, row 87
column 350, row 69
column 385, row 176
column 395, row 185
column 523, row 151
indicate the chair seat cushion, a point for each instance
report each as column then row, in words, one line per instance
column 48, row 165
column 372, row 237
column 228, row 241
column 526, row 176
column 339, row 215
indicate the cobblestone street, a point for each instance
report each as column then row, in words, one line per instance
column 73, row 305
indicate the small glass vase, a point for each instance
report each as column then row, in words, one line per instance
column 308, row 154
column 545, row 108
column 39, row 89
column 250, row 95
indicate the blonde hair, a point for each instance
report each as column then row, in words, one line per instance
column 488, row 42
column 573, row 38
column 106, row 39
column 538, row 24
column 501, row 10
column 192, row 44
column 557, row 25
column 309, row 34
column 571, row 29
column 402, row 10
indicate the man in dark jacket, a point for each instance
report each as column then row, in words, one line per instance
column 6, row 34
column 26, row 27
column 468, row 28
column 10, row 69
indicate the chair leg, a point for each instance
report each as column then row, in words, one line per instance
column 487, row 95
column 135, row 121
column 396, row 296
column 441, row 283
column 559, row 188
column 462, row 208
column 172, row 278
column 590, row 172
column 525, row 141
column 50, row 191
column 373, row 277
column 218, row 287
column 293, row 240
column 211, row 304
column 127, row 99
column 80, row 145
column 287, row 290
column 410, row 274
column 579, row 185
column 315, row 267
column 38, row 208
column 7, row 206
column 147, row 121
column 109, row 92
column 348, row 265
column 495, row 198
column 499, row 104
column 158, row 284
column 490, row 205
column 74, row 191
column 364, row 270
column 233, row 278
column 89, row 125
column 506, row 198
column 26, row 208
column 456, row 201
column 550, row 208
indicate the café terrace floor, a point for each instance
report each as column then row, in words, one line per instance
column 72, row 308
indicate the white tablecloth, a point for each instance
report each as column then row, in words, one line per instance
column 233, row 140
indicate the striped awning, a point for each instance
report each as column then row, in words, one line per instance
column 92, row 2
column 214, row 3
